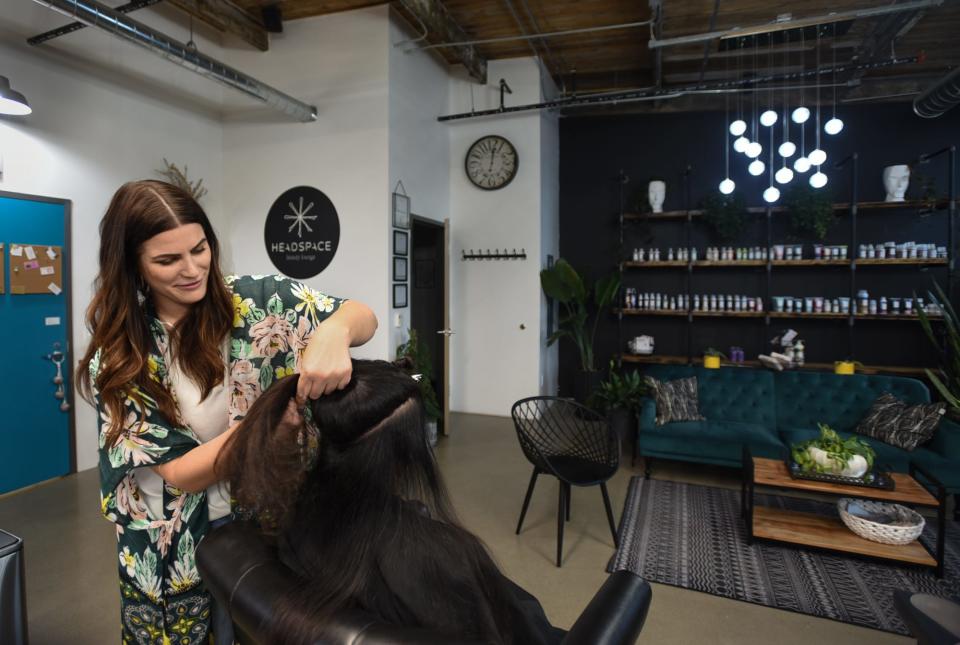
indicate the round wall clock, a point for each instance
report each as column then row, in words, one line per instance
column 491, row 162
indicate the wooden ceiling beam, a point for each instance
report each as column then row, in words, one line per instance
column 438, row 22
column 225, row 16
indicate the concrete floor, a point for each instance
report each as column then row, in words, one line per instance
column 71, row 565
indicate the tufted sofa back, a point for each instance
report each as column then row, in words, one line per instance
column 806, row 398
column 727, row 394
column 737, row 394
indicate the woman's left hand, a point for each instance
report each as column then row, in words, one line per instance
column 325, row 365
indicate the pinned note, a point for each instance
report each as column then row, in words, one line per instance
column 46, row 270
column 54, row 289
column 31, row 254
column 51, row 253
column 33, row 264
column 16, row 250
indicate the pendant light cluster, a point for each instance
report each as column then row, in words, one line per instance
column 769, row 118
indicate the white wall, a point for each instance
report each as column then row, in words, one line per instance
column 90, row 132
column 497, row 310
column 107, row 112
column 419, row 154
column 338, row 62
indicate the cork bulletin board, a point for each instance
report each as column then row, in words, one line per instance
column 35, row 268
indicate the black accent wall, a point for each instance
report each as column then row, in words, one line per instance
column 594, row 149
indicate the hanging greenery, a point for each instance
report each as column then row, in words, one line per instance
column 726, row 215
column 810, row 209
column 179, row 179
column 947, row 379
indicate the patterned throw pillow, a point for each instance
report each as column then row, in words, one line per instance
column 676, row 400
column 892, row 421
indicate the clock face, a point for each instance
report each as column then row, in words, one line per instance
column 491, row 162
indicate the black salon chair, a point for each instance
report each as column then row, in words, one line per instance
column 242, row 571
column 573, row 443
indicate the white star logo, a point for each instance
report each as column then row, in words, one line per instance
column 300, row 217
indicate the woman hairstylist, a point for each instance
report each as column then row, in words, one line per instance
column 178, row 353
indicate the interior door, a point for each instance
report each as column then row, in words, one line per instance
column 428, row 304
column 36, row 425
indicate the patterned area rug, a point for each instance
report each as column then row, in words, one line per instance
column 692, row 537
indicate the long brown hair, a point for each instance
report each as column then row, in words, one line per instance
column 371, row 511
column 119, row 324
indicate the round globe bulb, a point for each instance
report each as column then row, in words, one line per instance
column 738, row 127
column 818, row 180
column 768, row 118
column 802, row 164
column 833, row 126
column 800, row 115
column 787, row 149
column 756, row 167
column 740, row 145
column 784, row 175
column 817, row 157
column 754, row 149
column 771, row 194
column 727, row 186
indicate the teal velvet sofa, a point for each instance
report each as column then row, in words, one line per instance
column 768, row 411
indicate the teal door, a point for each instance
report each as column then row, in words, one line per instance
column 36, row 411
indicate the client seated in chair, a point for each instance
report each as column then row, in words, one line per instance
column 360, row 513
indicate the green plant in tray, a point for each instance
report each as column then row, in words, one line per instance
column 838, row 452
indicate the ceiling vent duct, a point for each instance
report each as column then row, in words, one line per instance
column 940, row 97
column 94, row 14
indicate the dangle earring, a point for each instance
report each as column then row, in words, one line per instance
column 142, row 290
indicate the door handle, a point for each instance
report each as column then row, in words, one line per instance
column 447, row 332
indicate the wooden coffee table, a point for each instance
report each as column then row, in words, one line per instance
column 829, row 532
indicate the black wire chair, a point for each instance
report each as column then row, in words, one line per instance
column 571, row 442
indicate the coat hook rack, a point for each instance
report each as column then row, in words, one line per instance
column 497, row 254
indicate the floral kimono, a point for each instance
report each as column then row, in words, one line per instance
column 162, row 597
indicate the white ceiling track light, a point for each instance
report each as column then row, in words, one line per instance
column 95, row 14
column 12, row 102
column 817, row 156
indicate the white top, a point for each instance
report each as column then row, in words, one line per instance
column 208, row 420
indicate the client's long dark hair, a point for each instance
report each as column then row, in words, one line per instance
column 350, row 519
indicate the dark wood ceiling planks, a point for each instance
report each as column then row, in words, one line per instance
column 621, row 58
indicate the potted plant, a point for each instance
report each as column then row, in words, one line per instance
column 725, row 214
column 846, row 367
column 420, row 363
column 712, row 357
column 620, row 396
column 811, row 210
column 562, row 283
column 834, row 455
column 947, row 380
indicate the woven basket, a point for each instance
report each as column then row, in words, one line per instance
column 901, row 525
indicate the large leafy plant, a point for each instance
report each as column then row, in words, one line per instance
column 947, row 381
column 838, row 450
column 621, row 391
column 725, row 214
column 419, row 356
column 562, row 283
column 811, row 210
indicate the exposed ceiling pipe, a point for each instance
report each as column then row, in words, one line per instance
column 76, row 26
column 94, row 14
column 653, row 93
column 538, row 36
column 940, row 97
column 791, row 23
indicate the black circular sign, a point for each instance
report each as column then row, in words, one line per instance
column 302, row 232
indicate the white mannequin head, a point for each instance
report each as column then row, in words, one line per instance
column 656, row 192
column 895, row 180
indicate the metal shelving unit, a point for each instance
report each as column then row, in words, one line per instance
column 853, row 207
